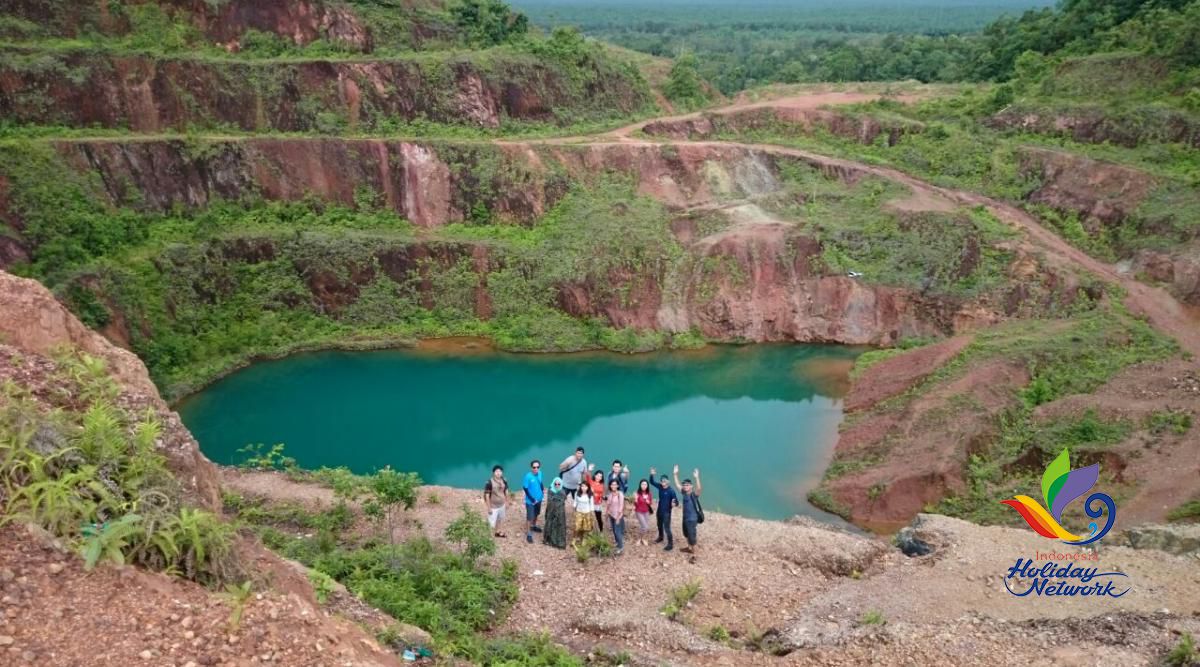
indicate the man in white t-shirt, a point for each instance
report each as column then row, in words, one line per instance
column 572, row 471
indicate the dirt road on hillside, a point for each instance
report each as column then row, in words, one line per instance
column 806, row 102
column 1161, row 309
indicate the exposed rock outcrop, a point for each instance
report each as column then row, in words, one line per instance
column 1179, row 539
column 149, row 94
column 299, row 21
column 1096, row 125
column 1179, row 270
column 1094, row 189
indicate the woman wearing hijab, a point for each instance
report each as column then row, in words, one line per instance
column 555, row 533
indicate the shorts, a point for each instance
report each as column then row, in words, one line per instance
column 495, row 516
column 689, row 532
column 570, row 493
column 532, row 511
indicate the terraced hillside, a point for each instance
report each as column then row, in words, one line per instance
column 208, row 183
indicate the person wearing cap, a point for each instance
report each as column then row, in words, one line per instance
column 691, row 512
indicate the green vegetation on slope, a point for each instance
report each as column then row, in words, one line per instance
column 456, row 595
column 91, row 474
column 474, row 56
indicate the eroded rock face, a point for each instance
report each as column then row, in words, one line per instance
column 33, row 325
column 1096, row 125
column 1094, row 189
column 299, row 21
column 757, row 280
column 148, row 94
column 1179, row 271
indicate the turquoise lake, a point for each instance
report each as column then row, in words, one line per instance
column 760, row 421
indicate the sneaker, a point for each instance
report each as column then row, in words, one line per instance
column 669, row 547
column 529, row 537
column 536, row 529
column 658, row 541
column 687, row 550
column 620, row 551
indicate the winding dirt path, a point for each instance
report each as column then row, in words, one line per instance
column 1161, row 309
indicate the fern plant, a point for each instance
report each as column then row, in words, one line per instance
column 203, row 542
column 108, row 542
column 62, row 505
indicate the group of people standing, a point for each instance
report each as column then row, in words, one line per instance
column 593, row 498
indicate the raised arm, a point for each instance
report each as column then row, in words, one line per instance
column 696, row 474
column 675, row 473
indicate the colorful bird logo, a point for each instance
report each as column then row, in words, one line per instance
column 1060, row 487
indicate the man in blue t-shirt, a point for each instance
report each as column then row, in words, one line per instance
column 667, row 500
column 535, row 490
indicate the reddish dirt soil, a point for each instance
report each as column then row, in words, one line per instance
column 900, row 373
column 56, row 613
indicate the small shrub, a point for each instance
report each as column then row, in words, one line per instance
column 236, row 596
column 594, row 544
column 323, row 585
column 1185, row 652
column 471, row 531
column 681, row 598
column 718, row 633
column 1177, row 422
column 260, row 457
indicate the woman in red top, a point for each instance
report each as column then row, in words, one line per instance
column 642, row 506
column 596, row 484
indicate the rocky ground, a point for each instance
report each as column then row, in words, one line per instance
column 805, row 590
column 56, row 613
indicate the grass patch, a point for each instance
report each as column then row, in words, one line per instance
column 1169, row 421
column 872, row 617
column 1189, row 511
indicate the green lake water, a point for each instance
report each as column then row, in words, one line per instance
column 760, row 421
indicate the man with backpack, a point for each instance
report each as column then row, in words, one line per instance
column 693, row 514
column 495, row 500
column 572, row 471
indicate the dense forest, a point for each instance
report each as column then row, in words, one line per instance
column 738, row 46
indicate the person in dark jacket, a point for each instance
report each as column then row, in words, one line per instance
column 667, row 500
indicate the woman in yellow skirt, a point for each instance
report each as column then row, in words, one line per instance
column 584, row 506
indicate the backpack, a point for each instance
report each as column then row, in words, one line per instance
column 699, row 509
